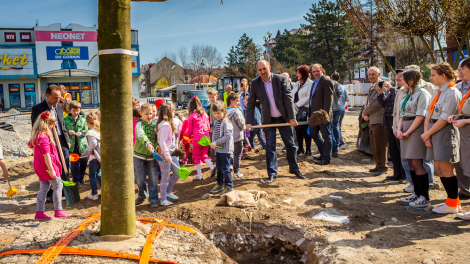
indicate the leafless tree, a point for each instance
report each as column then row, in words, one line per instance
column 184, row 59
column 212, row 58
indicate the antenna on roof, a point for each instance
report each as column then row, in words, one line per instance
column 37, row 22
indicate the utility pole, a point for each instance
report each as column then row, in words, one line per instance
column 202, row 72
column 174, row 80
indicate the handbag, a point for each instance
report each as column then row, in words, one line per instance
column 302, row 113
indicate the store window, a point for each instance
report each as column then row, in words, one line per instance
column 29, row 95
column 15, row 99
column 85, row 89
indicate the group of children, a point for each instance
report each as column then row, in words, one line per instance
column 84, row 132
column 158, row 129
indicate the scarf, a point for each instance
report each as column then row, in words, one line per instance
column 462, row 102
column 436, row 98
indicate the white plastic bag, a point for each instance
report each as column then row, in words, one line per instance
column 324, row 216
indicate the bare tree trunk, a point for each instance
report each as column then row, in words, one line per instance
column 384, row 58
column 459, row 50
column 428, row 48
column 117, row 192
column 415, row 51
column 440, row 48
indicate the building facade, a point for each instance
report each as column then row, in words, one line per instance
column 32, row 59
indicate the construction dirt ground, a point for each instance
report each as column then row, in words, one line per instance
column 380, row 229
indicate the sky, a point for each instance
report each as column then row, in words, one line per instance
column 164, row 27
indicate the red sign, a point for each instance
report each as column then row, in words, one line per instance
column 14, row 89
column 133, row 64
column 89, row 36
column 10, row 37
column 29, row 89
column 74, row 87
column 86, row 87
column 25, row 36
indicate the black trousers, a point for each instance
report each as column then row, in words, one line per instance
column 301, row 132
column 394, row 148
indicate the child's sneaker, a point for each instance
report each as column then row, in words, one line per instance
column 445, row 209
column 421, row 202
column 172, row 196
column 92, row 197
column 185, row 162
column 60, row 213
column 42, row 215
column 217, row 188
column 166, row 203
column 213, row 172
column 198, row 178
column 410, row 198
column 226, row 190
column 464, row 216
column 238, row 175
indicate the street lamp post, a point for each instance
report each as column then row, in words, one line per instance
column 202, row 72
column 174, row 80
column 266, row 38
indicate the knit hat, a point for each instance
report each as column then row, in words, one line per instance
column 159, row 102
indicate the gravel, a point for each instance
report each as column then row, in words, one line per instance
column 14, row 143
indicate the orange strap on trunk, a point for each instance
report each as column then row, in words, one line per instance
column 53, row 251
column 84, row 252
column 156, row 230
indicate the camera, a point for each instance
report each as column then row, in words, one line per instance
column 381, row 84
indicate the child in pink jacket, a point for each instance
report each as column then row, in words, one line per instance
column 198, row 126
column 167, row 141
column 186, row 143
column 46, row 165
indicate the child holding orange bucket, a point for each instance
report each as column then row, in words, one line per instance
column 46, row 165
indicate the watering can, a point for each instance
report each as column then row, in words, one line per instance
column 12, row 191
column 183, row 172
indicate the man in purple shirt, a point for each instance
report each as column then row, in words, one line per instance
column 274, row 94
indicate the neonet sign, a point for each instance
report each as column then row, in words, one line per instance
column 89, row 36
column 15, row 62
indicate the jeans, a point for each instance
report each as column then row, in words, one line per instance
column 237, row 155
column 222, row 164
column 301, row 132
column 428, row 166
column 324, row 142
column 334, row 143
column 394, row 147
column 44, row 187
column 78, row 169
column 261, row 139
column 340, row 127
column 287, row 136
column 142, row 169
column 167, row 183
column 337, row 129
column 94, row 173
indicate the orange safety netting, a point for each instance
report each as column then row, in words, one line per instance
column 58, row 248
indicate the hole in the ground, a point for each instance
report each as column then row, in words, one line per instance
column 263, row 244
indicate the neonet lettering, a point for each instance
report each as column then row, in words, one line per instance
column 7, row 60
column 68, row 35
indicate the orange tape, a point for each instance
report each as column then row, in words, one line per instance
column 156, row 230
column 53, row 251
column 84, row 252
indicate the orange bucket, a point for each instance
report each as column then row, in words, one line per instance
column 74, row 157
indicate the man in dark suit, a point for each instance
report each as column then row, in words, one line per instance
column 321, row 98
column 274, row 95
column 51, row 104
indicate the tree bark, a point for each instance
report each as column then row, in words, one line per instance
column 459, row 50
column 415, row 52
column 117, row 192
column 428, row 48
column 440, row 48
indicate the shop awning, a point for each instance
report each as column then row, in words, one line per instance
column 68, row 73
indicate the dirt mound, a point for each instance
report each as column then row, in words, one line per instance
column 12, row 111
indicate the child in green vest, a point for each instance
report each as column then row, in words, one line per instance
column 75, row 123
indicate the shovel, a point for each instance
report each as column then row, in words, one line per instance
column 66, row 183
column 12, row 191
column 71, row 193
column 183, row 172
